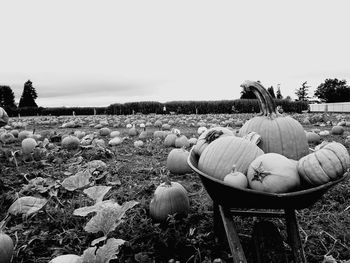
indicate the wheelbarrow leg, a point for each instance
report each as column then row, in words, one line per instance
column 294, row 236
column 232, row 236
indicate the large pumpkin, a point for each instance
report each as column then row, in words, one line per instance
column 279, row 134
column 218, row 157
column 328, row 162
column 6, row 248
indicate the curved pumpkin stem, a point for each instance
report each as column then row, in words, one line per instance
column 266, row 102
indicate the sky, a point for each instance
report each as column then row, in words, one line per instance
column 95, row 53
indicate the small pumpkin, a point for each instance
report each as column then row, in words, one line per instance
column 313, row 137
column 220, row 155
column 236, row 179
column 182, row 141
column 337, row 130
column 279, row 134
column 177, row 161
column 169, row 140
column 70, row 142
column 6, row 248
column 328, row 162
column 274, row 173
column 169, row 198
column 105, row 131
column 28, row 145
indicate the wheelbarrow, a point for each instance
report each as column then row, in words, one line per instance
column 229, row 201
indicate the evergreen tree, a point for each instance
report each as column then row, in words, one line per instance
column 272, row 92
column 29, row 96
column 278, row 93
column 302, row 92
column 7, row 98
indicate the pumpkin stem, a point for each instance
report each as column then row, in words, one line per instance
column 213, row 135
column 260, row 173
column 165, row 178
column 266, row 102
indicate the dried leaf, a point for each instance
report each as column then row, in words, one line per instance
column 77, row 181
column 97, row 192
column 27, row 205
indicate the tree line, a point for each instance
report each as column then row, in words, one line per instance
column 27, row 100
column 331, row 90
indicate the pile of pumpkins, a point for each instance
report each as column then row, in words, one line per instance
column 270, row 153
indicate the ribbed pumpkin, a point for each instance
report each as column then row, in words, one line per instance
column 328, row 162
column 177, row 161
column 219, row 156
column 279, row 134
column 209, row 136
column 169, row 198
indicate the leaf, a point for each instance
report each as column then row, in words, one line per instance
column 108, row 218
column 98, row 240
column 97, row 192
column 27, row 205
column 84, row 211
column 77, row 181
column 103, row 254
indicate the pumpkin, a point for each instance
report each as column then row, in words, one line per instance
column 105, row 131
column 6, row 248
column 69, row 258
column 24, row 134
column 181, row 141
column 133, row 131
column 313, row 137
column 169, row 140
column 328, row 162
column 236, row 179
column 169, row 198
column 177, row 161
column 337, row 130
column 28, row 145
column 7, row 137
column 279, row 134
column 218, row 157
column 209, row 136
column 274, row 173
column 114, row 134
column 70, row 142
column 138, row 143
column 115, row 141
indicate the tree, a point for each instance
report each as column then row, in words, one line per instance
column 29, row 96
column 7, row 98
column 278, row 92
column 272, row 92
column 333, row 90
column 302, row 92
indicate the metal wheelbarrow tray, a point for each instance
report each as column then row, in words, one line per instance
column 229, row 201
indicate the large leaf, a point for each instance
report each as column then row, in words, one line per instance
column 84, row 211
column 77, row 181
column 27, row 205
column 103, row 254
column 97, row 192
column 108, row 218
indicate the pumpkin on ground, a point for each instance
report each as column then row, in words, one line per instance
column 28, row 145
column 169, row 140
column 70, row 142
column 313, row 137
column 337, row 130
column 182, row 141
column 69, row 258
column 169, row 198
column 177, row 161
column 218, row 157
column 274, row 173
column 279, row 134
column 6, row 248
column 328, row 162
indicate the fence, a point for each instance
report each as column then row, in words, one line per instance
column 331, row 107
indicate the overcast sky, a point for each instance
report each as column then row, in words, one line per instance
column 94, row 53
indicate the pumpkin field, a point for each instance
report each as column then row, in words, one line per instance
column 83, row 186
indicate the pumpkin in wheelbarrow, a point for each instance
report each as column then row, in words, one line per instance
column 329, row 162
column 279, row 134
column 221, row 155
